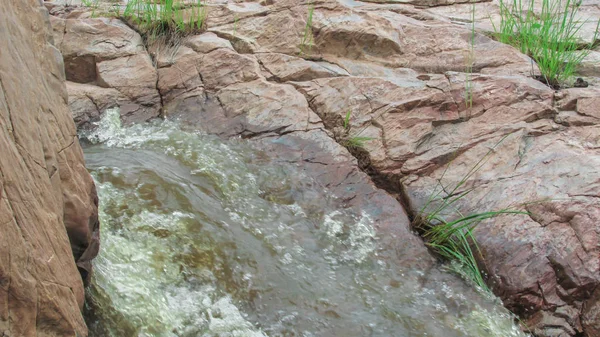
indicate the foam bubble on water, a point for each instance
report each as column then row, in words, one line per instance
column 226, row 320
column 481, row 322
column 140, row 276
column 107, row 128
column 137, row 277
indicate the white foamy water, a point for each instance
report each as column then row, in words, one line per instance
column 206, row 237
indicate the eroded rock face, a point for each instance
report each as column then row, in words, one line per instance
column 544, row 266
column 102, row 53
column 48, row 203
column 397, row 68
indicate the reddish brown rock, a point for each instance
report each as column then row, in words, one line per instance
column 47, row 197
column 284, row 68
column 86, row 42
column 135, row 77
column 544, row 266
column 258, row 73
column 87, row 102
column 106, row 53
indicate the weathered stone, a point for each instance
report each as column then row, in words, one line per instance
column 278, row 32
column 223, row 67
column 181, row 76
column 103, row 38
column 591, row 314
column 267, row 108
column 578, row 107
column 87, row 102
column 86, row 42
column 487, row 15
column 207, row 42
column 136, row 78
column 47, row 197
column 285, row 68
column 425, row 135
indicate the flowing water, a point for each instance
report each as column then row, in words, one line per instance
column 206, row 237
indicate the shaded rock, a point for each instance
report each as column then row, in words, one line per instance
column 591, row 314
column 48, row 203
column 86, row 42
column 87, row 102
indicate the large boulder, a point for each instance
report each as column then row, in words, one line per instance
column 48, row 203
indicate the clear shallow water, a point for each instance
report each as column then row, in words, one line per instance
column 205, row 237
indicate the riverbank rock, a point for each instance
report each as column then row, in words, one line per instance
column 434, row 106
column 48, row 203
column 107, row 63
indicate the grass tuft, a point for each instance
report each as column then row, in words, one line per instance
column 470, row 60
column 352, row 141
column 357, row 142
column 155, row 18
column 307, row 41
column 549, row 38
column 449, row 233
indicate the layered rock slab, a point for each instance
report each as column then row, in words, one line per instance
column 108, row 60
column 544, row 266
column 48, row 203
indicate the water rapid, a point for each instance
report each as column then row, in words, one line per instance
column 208, row 237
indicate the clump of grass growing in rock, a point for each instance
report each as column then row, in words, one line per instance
column 154, row 18
column 470, row 60
column 549, row 38
column 235, row 23
column 449, row 233
column 352, row 141
column 307, row 41
column 92, row 4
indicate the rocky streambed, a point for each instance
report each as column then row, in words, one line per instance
column 397, row 70
column 210, row 237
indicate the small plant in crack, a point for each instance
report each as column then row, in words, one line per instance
column 470, row 60
column 92, row 4
column 235, row 23
column 352, row 141
column 449, row 233
column 154, row 18
column 307, row 41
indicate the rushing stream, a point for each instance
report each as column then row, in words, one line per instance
column 206, row 237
